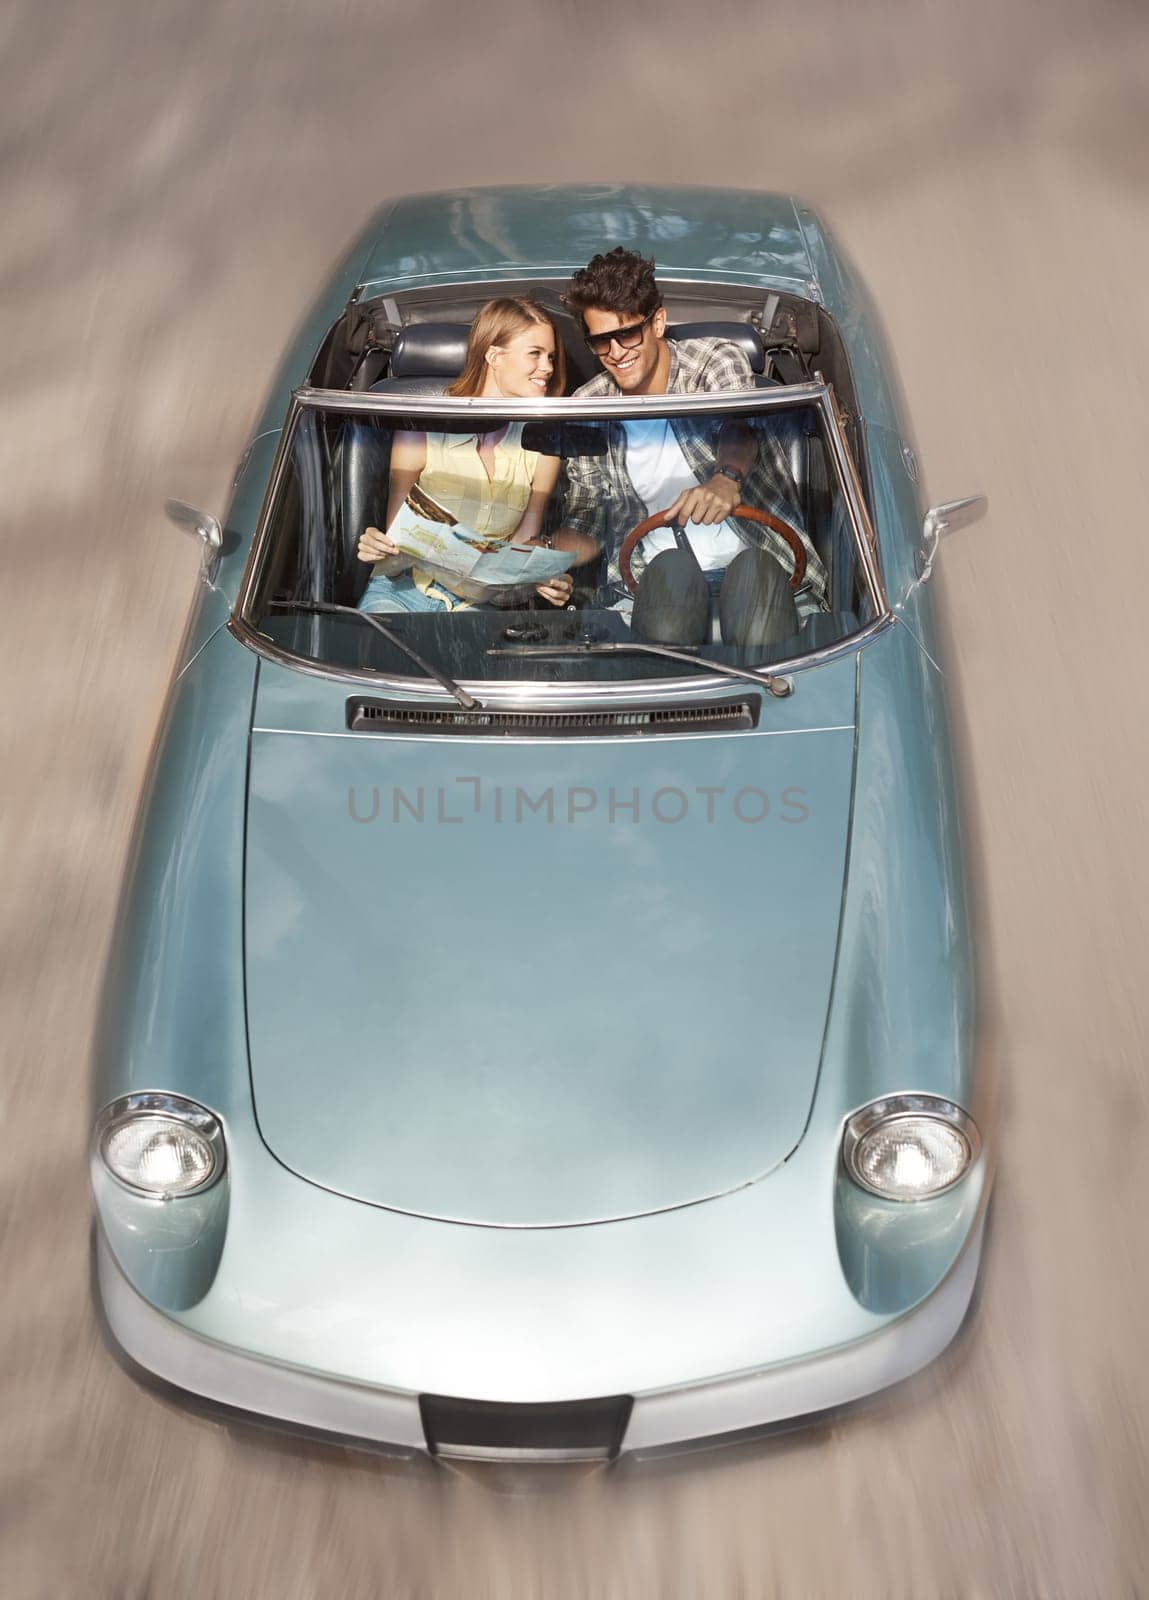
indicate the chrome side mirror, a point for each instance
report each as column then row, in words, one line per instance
column 944, row 519
column 203, row 526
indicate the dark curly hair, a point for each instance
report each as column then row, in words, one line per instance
column 621, row 281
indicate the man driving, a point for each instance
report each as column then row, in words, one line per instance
column 685, row 466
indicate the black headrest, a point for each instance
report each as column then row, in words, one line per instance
column 438, row 349
column 739, row 333
column 430, row 350
column 417, row 386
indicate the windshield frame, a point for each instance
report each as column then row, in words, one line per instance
column 531, row 691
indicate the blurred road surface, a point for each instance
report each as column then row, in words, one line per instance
column 176, row 175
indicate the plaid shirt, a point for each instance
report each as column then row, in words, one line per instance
column 600, row 500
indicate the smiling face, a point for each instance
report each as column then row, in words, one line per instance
column 523, row 366
column 643, row 368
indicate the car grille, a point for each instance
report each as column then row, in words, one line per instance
column 481, row 1430
column 713, row 716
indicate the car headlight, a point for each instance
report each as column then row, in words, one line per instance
column 909, row 1146
column 160, row 1145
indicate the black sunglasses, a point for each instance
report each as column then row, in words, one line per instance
column 626, row 338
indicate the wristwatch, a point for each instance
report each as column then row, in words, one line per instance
column 735, row 474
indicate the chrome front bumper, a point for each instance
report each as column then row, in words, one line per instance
column 660, row 1419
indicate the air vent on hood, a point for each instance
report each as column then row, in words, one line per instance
column 712, row 716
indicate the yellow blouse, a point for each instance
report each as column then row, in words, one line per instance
column 489, row 506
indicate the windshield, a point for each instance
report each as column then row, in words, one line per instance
column 562, row 541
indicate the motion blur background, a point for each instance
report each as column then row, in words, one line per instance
column 176, row 177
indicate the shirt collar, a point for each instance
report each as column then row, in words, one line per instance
column 611, row 387
column 456, row 439
column 675, row 372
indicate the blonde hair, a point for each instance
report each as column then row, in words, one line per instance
column 496, row 323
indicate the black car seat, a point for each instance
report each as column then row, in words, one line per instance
column 366, row 455
column 425, row 358
column 747, row 338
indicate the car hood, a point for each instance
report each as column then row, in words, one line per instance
column 541, row 983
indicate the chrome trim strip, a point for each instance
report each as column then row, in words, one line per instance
column 540, row 1458
column 262, row 526
column 524, row 738
column 800, row 288
column 192, row 659
column 903, row 621
column 851, row 485
column 530, row 694
column 560, row 410
column 241, row 465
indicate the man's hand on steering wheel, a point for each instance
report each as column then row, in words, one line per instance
column 745, row 513
column 708, row 503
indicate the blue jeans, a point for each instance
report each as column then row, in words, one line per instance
column 675, row 601
column 400, row 594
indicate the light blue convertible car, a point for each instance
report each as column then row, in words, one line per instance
column 528, row 1035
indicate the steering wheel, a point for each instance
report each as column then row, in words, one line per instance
column 661, row 519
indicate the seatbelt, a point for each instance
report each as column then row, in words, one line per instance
column 787, row 365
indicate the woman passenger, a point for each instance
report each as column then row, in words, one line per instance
column 495, row 487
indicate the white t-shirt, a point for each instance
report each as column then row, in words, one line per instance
column 657, row 468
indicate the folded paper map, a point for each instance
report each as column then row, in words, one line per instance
column 427, row 531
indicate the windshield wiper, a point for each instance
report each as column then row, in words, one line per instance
column 779, row 687
column 467, row 701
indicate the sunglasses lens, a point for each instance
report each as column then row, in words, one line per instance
column 626, row 338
